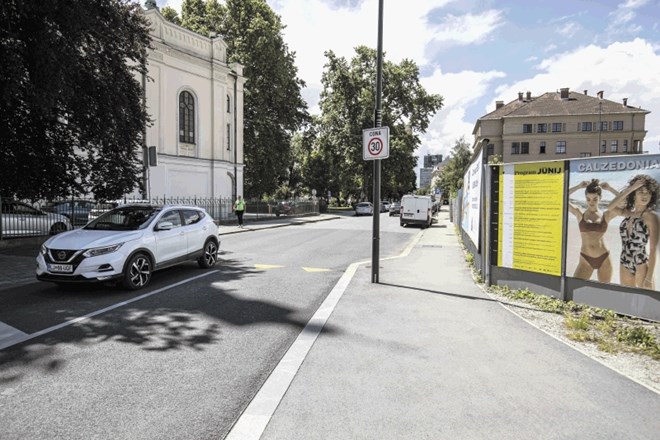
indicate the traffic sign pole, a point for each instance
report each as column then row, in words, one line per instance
column 375, row 249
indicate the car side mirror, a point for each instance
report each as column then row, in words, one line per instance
column 164, row 226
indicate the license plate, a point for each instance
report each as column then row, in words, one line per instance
column 60, row 268
column 407, row 214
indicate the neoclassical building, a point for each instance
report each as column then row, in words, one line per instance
column 195, row 100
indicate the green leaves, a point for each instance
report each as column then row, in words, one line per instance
column 71, row 109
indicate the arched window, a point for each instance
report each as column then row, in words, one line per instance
column 186, row 118
column 228, row 104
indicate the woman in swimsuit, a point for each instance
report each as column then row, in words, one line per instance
column 638, row 229
column 592, row 223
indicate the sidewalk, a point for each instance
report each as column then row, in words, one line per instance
column 426, row 354
column 17, row 263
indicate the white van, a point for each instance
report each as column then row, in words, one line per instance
column 416, row 210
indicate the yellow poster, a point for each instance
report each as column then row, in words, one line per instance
column 530, row 220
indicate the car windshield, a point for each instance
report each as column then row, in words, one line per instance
column 125, row 218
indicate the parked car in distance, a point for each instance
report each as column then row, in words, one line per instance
column 395, row 208
column 75, row 210
column 129, row 243
column 22, row 220
column 364, row 208
column 384, row 206
column 103, row 207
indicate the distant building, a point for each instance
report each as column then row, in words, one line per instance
column 561, row 125
column 431, row 160
column 425, row 176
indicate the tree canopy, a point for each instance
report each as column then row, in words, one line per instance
column 273, row 106
column 71, row 108
column 451, row 177
column 347, row 107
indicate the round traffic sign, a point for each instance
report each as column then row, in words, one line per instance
column 375, row 146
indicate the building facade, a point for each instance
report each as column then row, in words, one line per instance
column 431, row 160
column 195, row 100
column 559, row 125
column 425, row 177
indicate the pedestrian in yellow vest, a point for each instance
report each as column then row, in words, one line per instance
column 239, row 209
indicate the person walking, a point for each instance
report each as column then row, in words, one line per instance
column 239, row 209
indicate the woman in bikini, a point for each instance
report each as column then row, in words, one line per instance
column 638, row 230
column 592, row 222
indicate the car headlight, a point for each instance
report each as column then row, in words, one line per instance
column 95, row 252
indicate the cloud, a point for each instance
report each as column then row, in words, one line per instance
column 568, row 30
column 466, row 29
column 622, row 16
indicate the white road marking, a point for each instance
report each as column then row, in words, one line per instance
column 25, row 337
column 252, row 423
column 9, row 335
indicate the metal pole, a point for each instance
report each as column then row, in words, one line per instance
column 375, row 251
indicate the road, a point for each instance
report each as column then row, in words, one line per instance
column 182, row 358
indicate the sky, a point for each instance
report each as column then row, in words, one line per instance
column 476, row 52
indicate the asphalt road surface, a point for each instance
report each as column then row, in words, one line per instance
column 182, row 358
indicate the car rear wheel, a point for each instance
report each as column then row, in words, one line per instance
column 210, row 256
column 138, row 272
column 57, row 228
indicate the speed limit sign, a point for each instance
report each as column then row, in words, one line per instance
column 376, row 143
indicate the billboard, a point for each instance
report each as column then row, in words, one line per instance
column 613, row 222
column 530, row 217
column 472, row 201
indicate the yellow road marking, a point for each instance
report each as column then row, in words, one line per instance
column 315, row 269
column 267, row 266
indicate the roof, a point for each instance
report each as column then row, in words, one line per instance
column 551, row 104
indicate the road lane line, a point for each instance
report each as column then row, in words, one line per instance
column 14, row 341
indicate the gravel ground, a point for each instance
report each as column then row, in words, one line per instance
column 640, row 368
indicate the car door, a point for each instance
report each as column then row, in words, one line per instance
column 171, row 244
column 196, row 230
column 19, row 219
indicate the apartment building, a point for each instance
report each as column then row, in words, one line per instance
column 559, row 125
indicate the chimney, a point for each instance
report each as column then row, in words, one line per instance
column 625, row 102
column 529, row 96
column 600, row 94
column 585, row 91
column 564, row 93
column 499, row 104
column 520, row 95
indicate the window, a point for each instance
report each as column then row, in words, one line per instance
column 173, row 216
column 228, row 136
column 617, row 125
column 192, row 216
column 542, row 147
column 603, row 146
column 490, row 149
column 625, row 146
column 527, row 128
column 561, row 147
column 515, row 147
column 557, row 127
column 585, row 126
column 524, row 148
column 614, row 146
column 603, row 126
column 541, row 128
column 228, row 104
column 585, row 154
column 186, row 118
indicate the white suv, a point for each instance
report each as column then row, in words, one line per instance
column 128, row 243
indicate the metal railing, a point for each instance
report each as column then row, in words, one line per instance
column 34, row 219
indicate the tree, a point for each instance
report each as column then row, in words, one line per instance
column 71, row 108
column 451, row 178
column 273, row 107
column 347, row 106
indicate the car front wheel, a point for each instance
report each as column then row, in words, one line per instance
column 210, row 256
column 138, row 272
